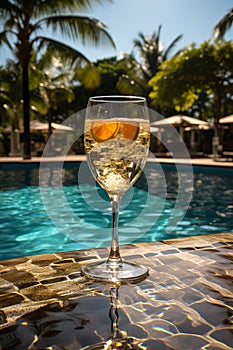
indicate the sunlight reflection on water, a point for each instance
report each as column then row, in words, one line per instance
column 26, row 228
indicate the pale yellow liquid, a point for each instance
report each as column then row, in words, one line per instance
column 117, row 162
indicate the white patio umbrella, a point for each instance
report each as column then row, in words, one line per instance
column 226, row 120
column 36, row 125
column 154, row 129
column 199, row 127
column 179, row 120
column 182, row 121
column 61, row 127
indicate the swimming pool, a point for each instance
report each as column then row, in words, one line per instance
column 26, row 227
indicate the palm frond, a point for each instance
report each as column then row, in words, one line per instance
column 171, row 47
column 4, row 93
column 4, row 39
column 8, row 8
column 223, row 25
column 83, row 27
column 64, row 51
column 139, row 42
column 158, row 34
column 39, row 101
column 60, row 6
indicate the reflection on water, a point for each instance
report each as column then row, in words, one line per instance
column 26, row 228
column 73, row 324
column 119, row 339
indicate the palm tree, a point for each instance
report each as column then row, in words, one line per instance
column 10, row 94
column 49, row 87
column 151, row 54
column 24, row 20
column 11, row 102
column 223, row 25
column 52, row 85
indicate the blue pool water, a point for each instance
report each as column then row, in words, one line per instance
column 80, row 216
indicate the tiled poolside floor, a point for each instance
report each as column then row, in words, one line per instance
column 185, row 303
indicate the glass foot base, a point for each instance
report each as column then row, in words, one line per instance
column 127, row 272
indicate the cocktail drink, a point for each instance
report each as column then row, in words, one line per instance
column 117, row 134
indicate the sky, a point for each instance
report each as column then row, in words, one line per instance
column 194, row 19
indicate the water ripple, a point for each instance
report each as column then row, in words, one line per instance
column 26, row 228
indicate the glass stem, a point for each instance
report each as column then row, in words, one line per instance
column 113, row 312
column 114, row 259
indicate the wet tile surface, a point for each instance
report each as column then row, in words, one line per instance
column 185, row 303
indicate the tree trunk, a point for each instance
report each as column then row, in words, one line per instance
column 216, row 145
column 26, row 114
column 50, row 122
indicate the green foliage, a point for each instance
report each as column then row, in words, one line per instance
column 88, row 76
column 23, row 22
column 139, row 71
column 206, row 69
column 53, row 85
column 10, row 94
column 109, row 71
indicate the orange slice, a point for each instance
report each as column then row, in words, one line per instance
column 102, row 131
column 130, row 130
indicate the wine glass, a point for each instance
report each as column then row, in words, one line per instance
column 117, row 134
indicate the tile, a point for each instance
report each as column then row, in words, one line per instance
column 45, row 302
